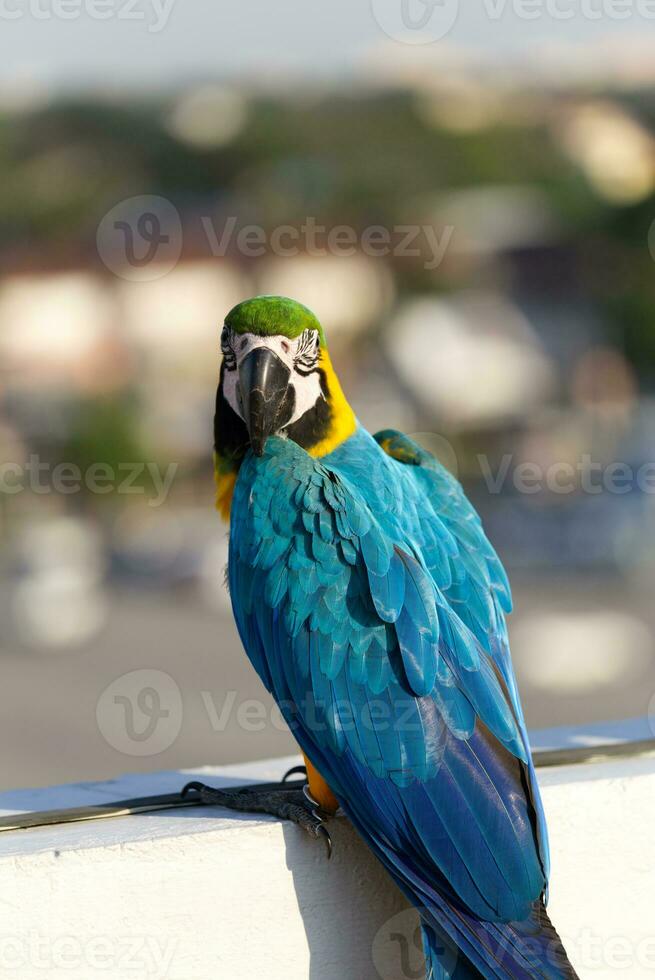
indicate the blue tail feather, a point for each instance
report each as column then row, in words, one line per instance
column 507, row 951
column 443, row 961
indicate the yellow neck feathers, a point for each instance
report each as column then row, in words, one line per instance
column 343, row 422
column 225, row 483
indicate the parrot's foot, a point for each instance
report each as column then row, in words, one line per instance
column 286, row 801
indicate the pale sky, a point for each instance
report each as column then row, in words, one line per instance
column 154, row 42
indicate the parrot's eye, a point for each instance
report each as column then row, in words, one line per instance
column 227, row 350
column 307, row 353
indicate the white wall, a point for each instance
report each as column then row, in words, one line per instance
column 201, row 895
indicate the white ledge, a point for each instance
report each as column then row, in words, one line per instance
column 211, row 895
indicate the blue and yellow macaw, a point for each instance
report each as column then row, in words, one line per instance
column 372, row 606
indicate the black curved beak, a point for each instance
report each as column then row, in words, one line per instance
column 267, row 399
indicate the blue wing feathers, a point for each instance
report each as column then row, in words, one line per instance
column 388, row 590
column 368, row 597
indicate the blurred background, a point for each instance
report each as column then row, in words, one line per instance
column 466, row 204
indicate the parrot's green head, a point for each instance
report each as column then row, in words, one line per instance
column 276, row 379
column 270, row 316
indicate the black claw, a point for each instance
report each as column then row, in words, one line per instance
column 285, row 800
column 315, row 805
column 310, row 799
column 296, row 771
column 322, row 829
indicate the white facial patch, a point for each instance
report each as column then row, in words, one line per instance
column 300, row 355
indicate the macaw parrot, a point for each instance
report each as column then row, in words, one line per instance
column 372, row 606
